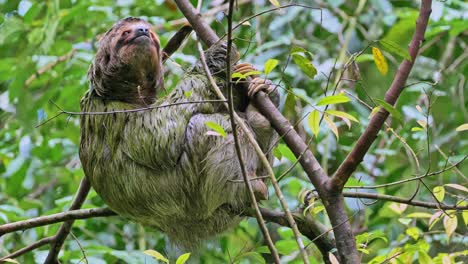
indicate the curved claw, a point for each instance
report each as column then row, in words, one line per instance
column 259, row 84
column 244, row 68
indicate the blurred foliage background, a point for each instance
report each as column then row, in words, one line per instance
column 46, row 48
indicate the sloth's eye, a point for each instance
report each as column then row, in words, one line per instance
column 125, row 33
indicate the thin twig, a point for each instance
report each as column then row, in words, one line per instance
column 28, row 248
column 59, row 238
column 258, row 215
column 136, row 110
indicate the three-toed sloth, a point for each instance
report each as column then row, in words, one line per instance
column 160, row 167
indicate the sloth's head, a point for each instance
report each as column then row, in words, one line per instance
column 128, row 64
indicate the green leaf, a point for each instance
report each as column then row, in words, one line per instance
column 299, row 49
column 270, row 64
column 439, row 193
column 314, row 122
column 286, row 152
column 156, row 255
column 263, row 250
column 305, row 65
column 183, row 258
column 286, row 247
column 394, row 48
column 333, row 99
column 424, row 258
column 389, row 108
column 217, row 128
column 415, row 129
column 253, row 256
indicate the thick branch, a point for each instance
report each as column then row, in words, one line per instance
column 264, row 104
column 308, row 226
column 355, row 157
column 54, row 218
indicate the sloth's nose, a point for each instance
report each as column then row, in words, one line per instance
column 142, row 31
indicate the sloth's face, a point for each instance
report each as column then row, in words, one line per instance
column 128, row 64
column 134, row 43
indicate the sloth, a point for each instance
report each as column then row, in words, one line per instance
column 162, row 167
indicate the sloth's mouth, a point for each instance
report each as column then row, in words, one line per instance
column 140, row 36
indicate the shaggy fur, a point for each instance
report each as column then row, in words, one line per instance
column 160, row 167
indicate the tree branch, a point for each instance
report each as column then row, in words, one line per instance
column 384, row 197
column 59, row 238
column 54, row 218
column 28, row 248
column 363, row 144
column 308, row 226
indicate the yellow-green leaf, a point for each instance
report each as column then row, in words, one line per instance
column 463, row 127
column 374, row 111
column 332, row 125
column 188, row 93
column 345, row 116
column 275, row 3
column 216, row 127
column 380, row 61
column 450, row 224
column 156, row 255
column 270, row 64
column 464, row 212
column 183, row 258
column 419, row 215
column 333, row 99
column 314, row 122
column 413, row 232
column 415, row 129
column 439, row 193
column 238, row 75
column 424, row 258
